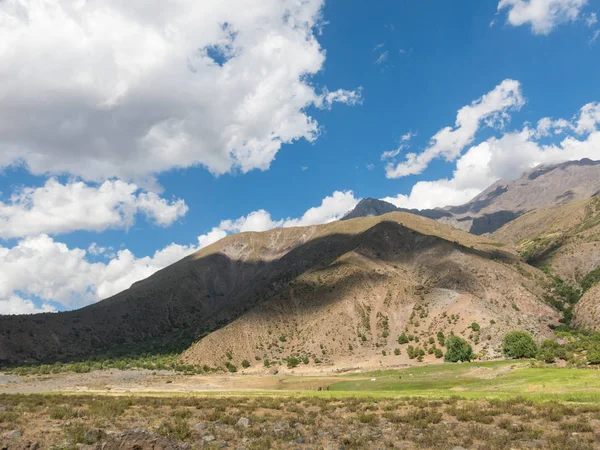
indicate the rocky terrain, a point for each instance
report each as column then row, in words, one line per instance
column 504, row 201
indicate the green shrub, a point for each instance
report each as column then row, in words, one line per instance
column 550, row 350
column 593, row 354
column 457, row 349
column 402, row 339
column 438, row 353
column 245, row 364
column 519, row 344
column 475, row 326
column 396, row 351
column 292, row 362
column 230, row 367
column 441, row 338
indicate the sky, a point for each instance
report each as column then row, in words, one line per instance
column 133, row 133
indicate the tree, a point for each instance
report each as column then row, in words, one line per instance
column 519, row 344
column 457, row 349
column 402, row 339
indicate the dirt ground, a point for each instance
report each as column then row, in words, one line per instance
column 139, row 381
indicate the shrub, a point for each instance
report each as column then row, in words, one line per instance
column 475, row 326
column 438, row 353
column 457, row 349
column 550, row 350
column 441, row 338
column 396, row 351
column 593, row 354
column 292, row 362
column 230, row 367
column 519, row 344
column 402, row 339
column 245, row 364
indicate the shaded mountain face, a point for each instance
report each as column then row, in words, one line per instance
column 504, row 201
column 313, row 286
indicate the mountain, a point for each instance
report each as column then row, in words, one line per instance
column 310, row 292
column 369, row 207
column 587, row 311
column 504, row 201
column 564, row 238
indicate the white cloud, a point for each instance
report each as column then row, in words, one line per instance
column 594, row 38
column 591, row 20
column 17, row 305
column 507, row 157
column 392, row 153
column 56, row 208
column 408, row 136
column 491, row 109
column 173, row 84
column 331, row 208
column 542, row 15
column 382, row 57
column 51, row 271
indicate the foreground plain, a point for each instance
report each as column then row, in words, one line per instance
column 494, row 405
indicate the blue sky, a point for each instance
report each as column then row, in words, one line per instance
column 140, row 143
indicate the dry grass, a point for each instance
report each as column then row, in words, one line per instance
column 62, row 422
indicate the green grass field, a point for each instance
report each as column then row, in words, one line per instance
column 479, row 380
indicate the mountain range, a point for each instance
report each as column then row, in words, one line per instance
column 343, row 294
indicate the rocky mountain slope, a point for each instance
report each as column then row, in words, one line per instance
column 397, row 274
column 337, row 293
column 504, row 201
column 564, row 238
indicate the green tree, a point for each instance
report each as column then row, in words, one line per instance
column 457, row 349
column 519, row 344
column 402, row 339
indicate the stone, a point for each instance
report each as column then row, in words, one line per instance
column 92, row 436
column 14, row 434
column 199, row 427
column 244, row 422
column 208, row 438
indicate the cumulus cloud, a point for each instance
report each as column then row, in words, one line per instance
column 331, row 208
column 40, row 267
column 491, row 109
column 542, row 15
column 173, row 84
column 16, row 305
column 56, row 208
column 508, row 156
